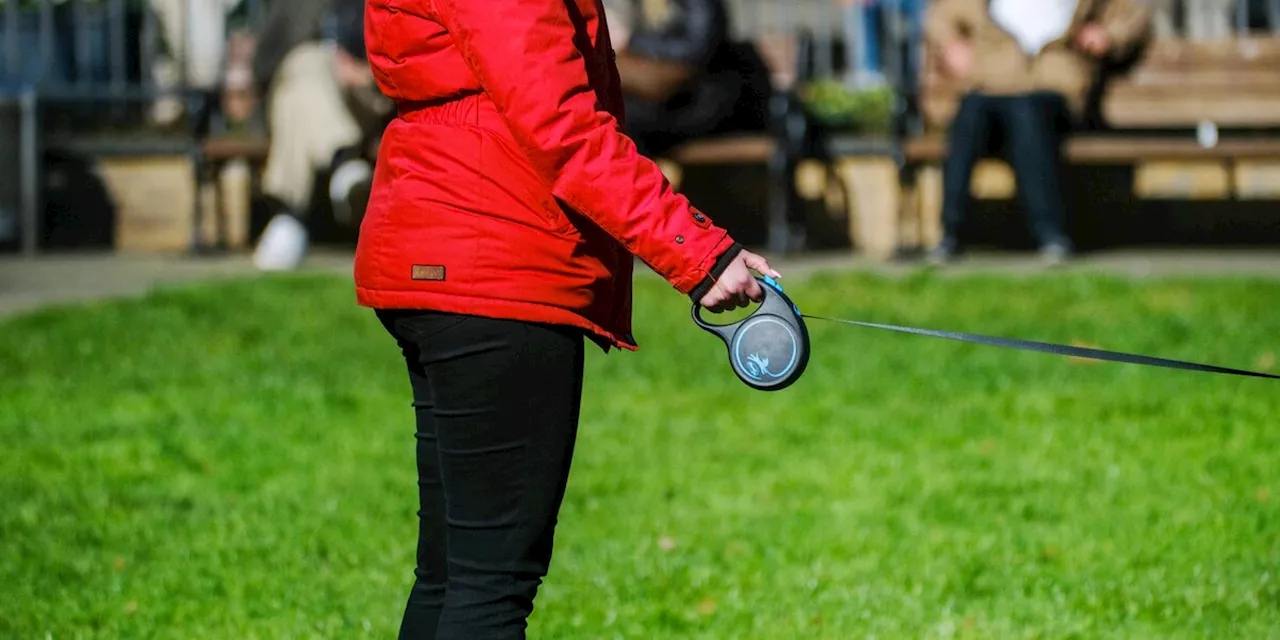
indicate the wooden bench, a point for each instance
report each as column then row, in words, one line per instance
column 784, row 218
column 215, row 153
column 1150, row 114
column 211, row 156
column 780, row 148
column 737, row 149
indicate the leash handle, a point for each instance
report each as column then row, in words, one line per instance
column 775, row 303
column 768, row 350
column 1057, row 349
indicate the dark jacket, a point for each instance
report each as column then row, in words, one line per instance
column 693, row 37
column 729, row 91
column 288, row 24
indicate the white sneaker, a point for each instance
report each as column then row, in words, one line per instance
column 283, row 244
column 344, row 178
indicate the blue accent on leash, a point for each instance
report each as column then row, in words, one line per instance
column 768, row 280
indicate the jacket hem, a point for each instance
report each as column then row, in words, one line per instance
column 500, row 308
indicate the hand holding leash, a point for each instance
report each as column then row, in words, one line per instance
column 736, row 287
column 768, row 350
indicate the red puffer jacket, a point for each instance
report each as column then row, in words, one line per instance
column 504, row 187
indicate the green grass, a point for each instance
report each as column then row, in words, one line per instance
column 235, row 461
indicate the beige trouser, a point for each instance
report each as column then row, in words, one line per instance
column 309, row 122
column 195, row 34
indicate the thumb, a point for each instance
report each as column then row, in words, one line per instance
column 759, row 264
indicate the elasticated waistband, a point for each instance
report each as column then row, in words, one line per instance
column 473, row 109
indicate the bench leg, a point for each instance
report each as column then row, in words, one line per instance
column 787, row 225
column 929, row 205
column 786, row 215
column 30, row 170
column 908, row 210
column 200, row 171
column 219, row 207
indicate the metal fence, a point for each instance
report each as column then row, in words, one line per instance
column 69, row 68
column 853, row 40
column 116, row 50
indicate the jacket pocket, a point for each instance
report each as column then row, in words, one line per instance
column 515, row 192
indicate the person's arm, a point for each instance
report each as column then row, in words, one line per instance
column 524, row 53
column 288, row 23
column 1126, row 22
column 943, row 24
column 947, row 31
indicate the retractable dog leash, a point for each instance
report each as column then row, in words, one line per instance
column 769, row 350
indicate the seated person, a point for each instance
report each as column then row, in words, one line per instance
column 682, row 77
column 321, row 103
column 1027, row 67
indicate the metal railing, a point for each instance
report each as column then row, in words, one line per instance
column 844, row 34
column 114, row 50
column 73, row 66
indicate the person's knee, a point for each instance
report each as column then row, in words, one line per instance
column 307, row 108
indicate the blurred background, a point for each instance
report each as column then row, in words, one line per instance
column 235, row 460
column 172, row 126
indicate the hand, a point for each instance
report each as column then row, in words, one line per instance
column 736, row 287
column 1094, row 39
column 352, row 73
column 958, row 58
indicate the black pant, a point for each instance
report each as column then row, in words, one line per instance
column 497, row 406
column 1032, row 128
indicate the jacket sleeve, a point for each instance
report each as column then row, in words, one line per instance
column 1127, row 23
column 943, row 23
column 525, row 55
column 288, row 24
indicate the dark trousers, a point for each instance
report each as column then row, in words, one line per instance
column 497, row 406
column 1032, row 128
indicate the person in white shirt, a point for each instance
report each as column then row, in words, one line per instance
column 1026, row 67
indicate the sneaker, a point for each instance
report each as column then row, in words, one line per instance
column 342, row 183
column 1055, row 253
column 283, row 244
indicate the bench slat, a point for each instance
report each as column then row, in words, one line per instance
column 748, row 148
column 1103, row 149
column 1138, row 107
column 227, row 148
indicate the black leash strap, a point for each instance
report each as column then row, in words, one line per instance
column 1058, row 349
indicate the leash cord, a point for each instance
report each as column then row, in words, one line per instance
column 1057, row 349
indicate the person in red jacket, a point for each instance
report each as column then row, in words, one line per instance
column 505, row 217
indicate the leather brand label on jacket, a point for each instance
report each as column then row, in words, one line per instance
column 428, row 272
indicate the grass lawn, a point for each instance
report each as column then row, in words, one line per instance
column 235, row 461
